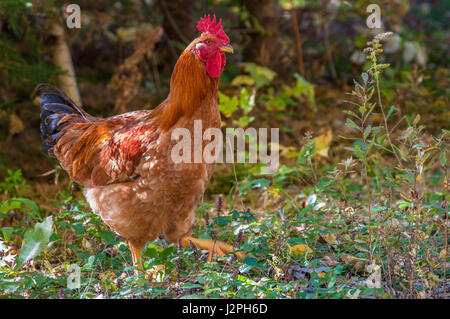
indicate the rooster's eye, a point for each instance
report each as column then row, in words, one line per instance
column 208, row 41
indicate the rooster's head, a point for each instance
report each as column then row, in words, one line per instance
column 211, row 45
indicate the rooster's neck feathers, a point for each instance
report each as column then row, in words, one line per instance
column 190, row 88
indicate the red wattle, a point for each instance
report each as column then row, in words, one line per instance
column 215, row 64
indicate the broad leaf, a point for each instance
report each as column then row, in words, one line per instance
column 261, row 75
column 35, row 241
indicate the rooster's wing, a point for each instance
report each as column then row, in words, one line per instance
column 94, row 151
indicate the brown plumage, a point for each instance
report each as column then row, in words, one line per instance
column 124, row 161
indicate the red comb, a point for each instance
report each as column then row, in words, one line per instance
column 206, row 25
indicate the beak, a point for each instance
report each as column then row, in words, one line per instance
column 227, row 48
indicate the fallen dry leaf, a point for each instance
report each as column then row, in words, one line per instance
column 157, row 273
column 323, row 143
column 330, row 261
column 374, row 280
column 443, row 254
column 15, row 124
column 300, row 249
column 330, row 238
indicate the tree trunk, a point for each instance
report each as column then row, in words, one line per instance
column 178, row 20
column 263, row 48
column 63, row 60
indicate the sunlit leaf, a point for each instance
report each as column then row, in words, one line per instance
column 243, row 80
column 351, row 124
column 15, row 124
column 301, row 249
column 323, row 143
column 35, row 241
column 261, row 75
column 227, row 105
column 359, row 152
column 443, row 158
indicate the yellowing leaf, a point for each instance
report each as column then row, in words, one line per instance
column 243, row 80
column 347, row 259
column 270, row 243
column 358, row 265
column 301, row 249
column 330, row 238
column 329, row 261
column 107, row 280
column 323, row 143
column 86, row 244
column 157, row 273
column 286, row 151
column 126, row 34
column 15, row 124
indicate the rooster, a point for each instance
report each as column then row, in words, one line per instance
column 123, row 162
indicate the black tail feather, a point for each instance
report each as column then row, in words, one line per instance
column 59, row 96
column 54, row 107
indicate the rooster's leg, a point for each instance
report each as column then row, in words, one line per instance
column 136, row 255
column 213, row 246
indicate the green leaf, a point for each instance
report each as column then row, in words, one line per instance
column 360, row 40
column 351, row 124
column 10, row 285
column 256, row 183
column 389, row 94
column 35, row 241
column 261, row 75
column 367, row 131
column 350, row 113
column 391, row 110
column 407, row 133
column 78, row 228
column 250, row 261
column 247, row 100
column 190, row 285
column 443, row 158
column 107, row 237
column 359, row 152
column 223, row 220
column 34, row 207
column 381, row 138
column 307, row 151
column 303, row 87
column 243, row 121
column 362, row 109
column 7, row 232
column 227, row 105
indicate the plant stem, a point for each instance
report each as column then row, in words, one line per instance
column 370, row 200
column 444, row 288
column 377, row 82
column 366, row 170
